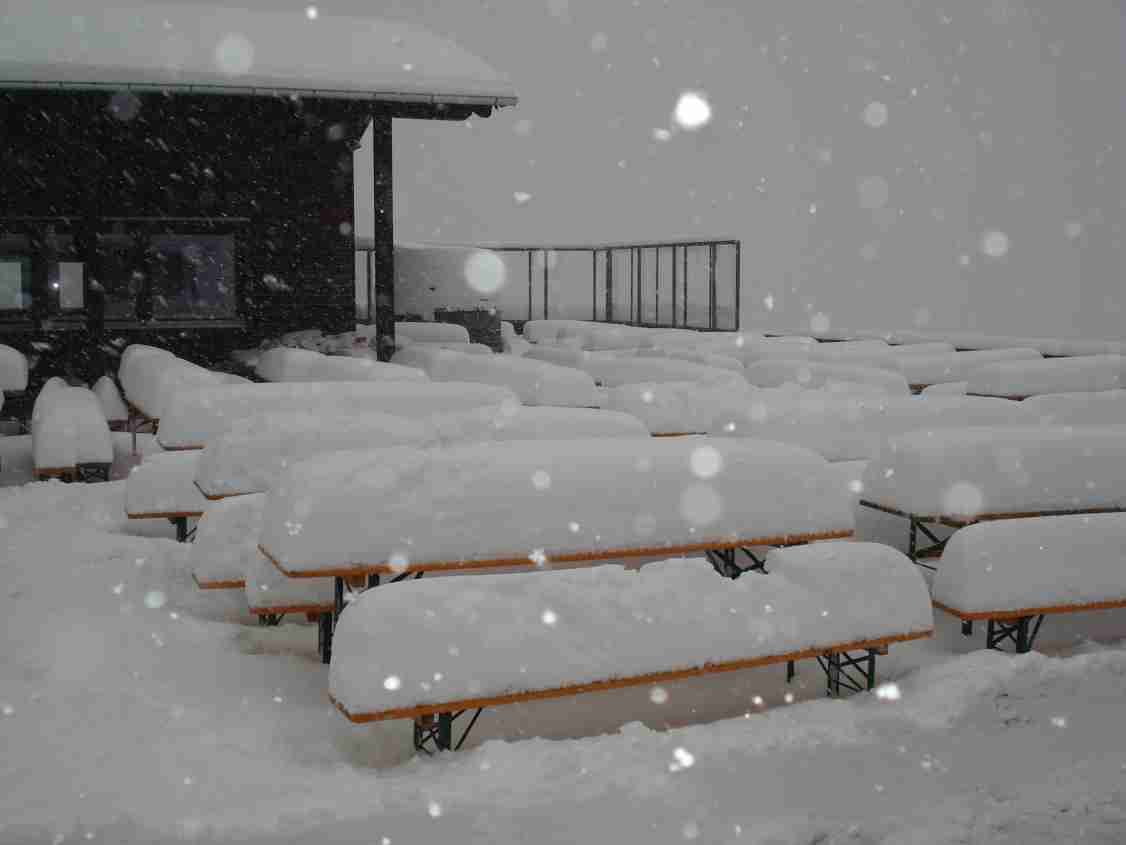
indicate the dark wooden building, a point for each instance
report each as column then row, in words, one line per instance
column 181, row 175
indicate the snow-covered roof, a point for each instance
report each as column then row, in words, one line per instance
column 72, row 44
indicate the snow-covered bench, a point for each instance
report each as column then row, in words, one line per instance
column 1021, row 379
column 816, row 375
column 922, row 371
column 150, row 376
column 196, row 416
column 257, row 451
column 282, row 364
column 855, row 428
column 400, row 511
column 559, row 634
column 960, row 476
column 616, row 371
column 113, row 405
column 1013, row 574
column 1103, row 407
column 70, row 438
column 163, row 486
column 675, row 408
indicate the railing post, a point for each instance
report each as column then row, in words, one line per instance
column 657, row 285
column 594, row 284
column 738, row 284
column 712, row 305
column 674, row 285
column 609, row 315
column 529, row 284
column 545, row 284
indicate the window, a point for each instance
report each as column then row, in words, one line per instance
column 193, row 275
column 15, row 283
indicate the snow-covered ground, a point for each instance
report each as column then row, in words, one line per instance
column 136, row 708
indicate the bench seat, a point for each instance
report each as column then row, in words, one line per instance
column 224, row 549
column 163, row 486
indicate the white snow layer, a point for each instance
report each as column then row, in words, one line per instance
column 267, row 590
column 534, row 382
column 225, row 548
column 521, row 500
column 282, row 364
column 956, row 366
column 567, row 355
column 1022, row 564
column 432, row 332
column 966, row 472
column 676, row 407
column 165, row 484
column 195, row 417
column 69, row 428
column 544, row 630
column 151, row 381
column 1055, row 375
column 538, row 423
column 816, row 375
column 109, row 397
column 614, row 372
column 13, row 369
column 856, row 428
column 1104, row 407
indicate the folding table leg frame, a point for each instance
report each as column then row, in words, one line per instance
column 918, row 526
column 725, row 561
column 183, row 534
column 439, row 731
column 1020, row 632
column 343, row 593
column 843, row 670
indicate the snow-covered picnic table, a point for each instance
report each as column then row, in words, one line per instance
column 556, row 634
column 69, row 434
column 284, row 364
column 163, row 486
column 1021, row 379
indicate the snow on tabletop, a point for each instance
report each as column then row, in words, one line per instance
column 855, row 428
column 256, row 450
column 1102, row 407
column 676, row 407
column 533, row 382
column 614, row 372
column 1055, row 375
column 567, row 355
column 432, row 332
column 948, row 388
column 1023, row 564
column 547, row 331
column 197, row 416
column 603, row 336
column 956, row 366
column 516, row 346
column 69, row 428
column 170, row 44
column 928, row 348
column 537, row 631
column 814, row 375
column 151, row 381
column 267, row 590
column 965, row 472
column 281, row 364
column 164, row 484
column 507, row 500
column 225, row 548
column 13, row 369
column 109, row 397
column 703, row 354
column 535, row 423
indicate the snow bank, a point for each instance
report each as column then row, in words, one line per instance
column 815, row 375
column 1056, row 375
column 534, row 382
column 268, row 591
column 614, row 372
column 966, row 472
column 109, row 397
column 676, row 407
column 506, row 500
column 540, row 631
column 226, row 542
column 164, row 484
column 432, row 332
column 151, row 381
column 1103, row 407
column 13, row 369
column 543, row 423
column 1034, row 563
column 68, row 428
column 855, row 428
column 195, row 417
column 956, row 366
column 256, row 450
column 281, row 364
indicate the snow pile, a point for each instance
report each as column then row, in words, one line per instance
column 966, row 472
column 676, row 407
column 109, row 397
column 195, row 417
column 1103, row 407
column 534, row 382
column 268, row 591
column 1021, row 564
column 1056, row 375
column 432, row 332
column 956, row 366
column 855, row 428
column 508, row 500
column 164, row 485
column 256, row 450
column 13, row 369
column 151, row 380
column 226, row 542
column 282, row 364
column 614, row 372
column 539, row 631
column 541, row 423
column 68, row 428
column 815, row 375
